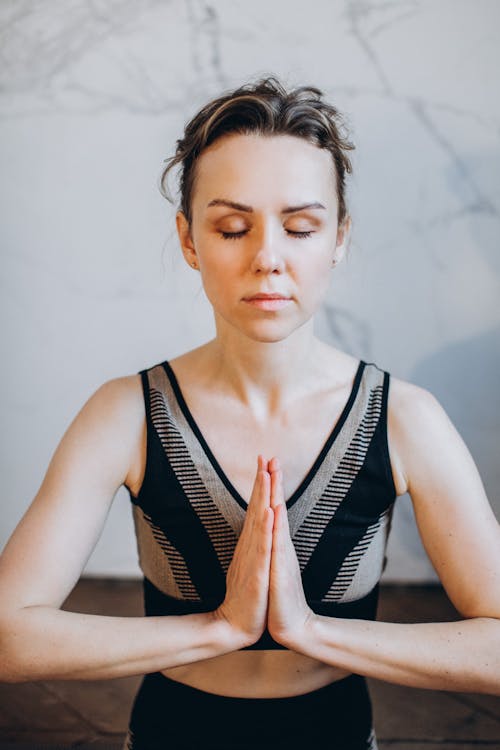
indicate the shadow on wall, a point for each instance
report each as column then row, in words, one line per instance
column 464, row 378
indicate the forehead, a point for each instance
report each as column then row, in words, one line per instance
column 257, row 167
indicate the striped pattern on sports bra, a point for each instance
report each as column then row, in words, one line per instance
column 188, row 516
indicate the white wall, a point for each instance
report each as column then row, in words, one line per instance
column 92, row 99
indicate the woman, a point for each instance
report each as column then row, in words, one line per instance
column 262, row 468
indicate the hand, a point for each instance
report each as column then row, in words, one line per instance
column 289, row 615
column 247, row 583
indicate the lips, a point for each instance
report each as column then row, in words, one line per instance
column 267, row 303
column 268, row 296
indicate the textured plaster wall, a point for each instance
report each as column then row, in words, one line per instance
column 92, row 98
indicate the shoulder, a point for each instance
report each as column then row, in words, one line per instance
column 122, row 401
column 411, row 406
column 120, row 404
column 418, row 428
column 406, row 398
column 122, row 395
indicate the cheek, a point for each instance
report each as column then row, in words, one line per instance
column 315, row 271
column 218, row 279
column 313, row 283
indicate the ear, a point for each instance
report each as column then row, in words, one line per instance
column 185, row 239
column 343, row 234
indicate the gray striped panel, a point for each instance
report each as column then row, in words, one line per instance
column 372, row 741
column 220, row 532
column 313, row 527
column 159, row 560
column 221, row 498
column 153, row 559
column 320, row 485
column 362, row 567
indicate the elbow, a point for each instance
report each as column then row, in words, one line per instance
column 8, row 674
column 487, row 655
column 11, row 667
column 477, row 608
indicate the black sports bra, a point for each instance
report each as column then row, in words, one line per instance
column 188, row 516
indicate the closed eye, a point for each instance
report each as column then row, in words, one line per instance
column 236, row 235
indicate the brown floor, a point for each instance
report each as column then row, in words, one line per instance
column 57, row 714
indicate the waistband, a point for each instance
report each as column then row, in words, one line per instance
column 168, row 712
column 350, row 683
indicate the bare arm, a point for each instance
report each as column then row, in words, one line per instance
column 50, row 546
column 456, row 656
column 47, row 643
column 461, row 536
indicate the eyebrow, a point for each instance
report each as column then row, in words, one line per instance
column 249, row 209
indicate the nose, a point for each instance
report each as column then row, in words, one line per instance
column 267, row 256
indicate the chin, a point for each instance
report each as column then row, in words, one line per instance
column 269, row 331
column 265, row 330
column 268, row 339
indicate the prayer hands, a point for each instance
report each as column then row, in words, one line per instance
column 247, row 582
column 264, row 585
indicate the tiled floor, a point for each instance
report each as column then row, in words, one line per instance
column 58, row 714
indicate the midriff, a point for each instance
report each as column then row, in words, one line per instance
column 257, row 674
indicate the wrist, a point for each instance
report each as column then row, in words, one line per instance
column 300, row 637
column 226, row 634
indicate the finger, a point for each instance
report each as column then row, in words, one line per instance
column 260, row 497
column 261, row 468
column 279, row 550
column 273, row 464
column 267, row 537
column 277, row 488
column 264, row 485
column 284, row 560
column 281, row 528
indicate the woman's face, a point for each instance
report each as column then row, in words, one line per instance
column 264, row 221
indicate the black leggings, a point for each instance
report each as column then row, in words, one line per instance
column 168, row 715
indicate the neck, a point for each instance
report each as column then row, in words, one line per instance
column 265, row 376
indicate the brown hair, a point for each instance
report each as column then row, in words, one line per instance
column 264, row 107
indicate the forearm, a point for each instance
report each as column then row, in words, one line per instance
column 40, row 643
column 456, row 656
